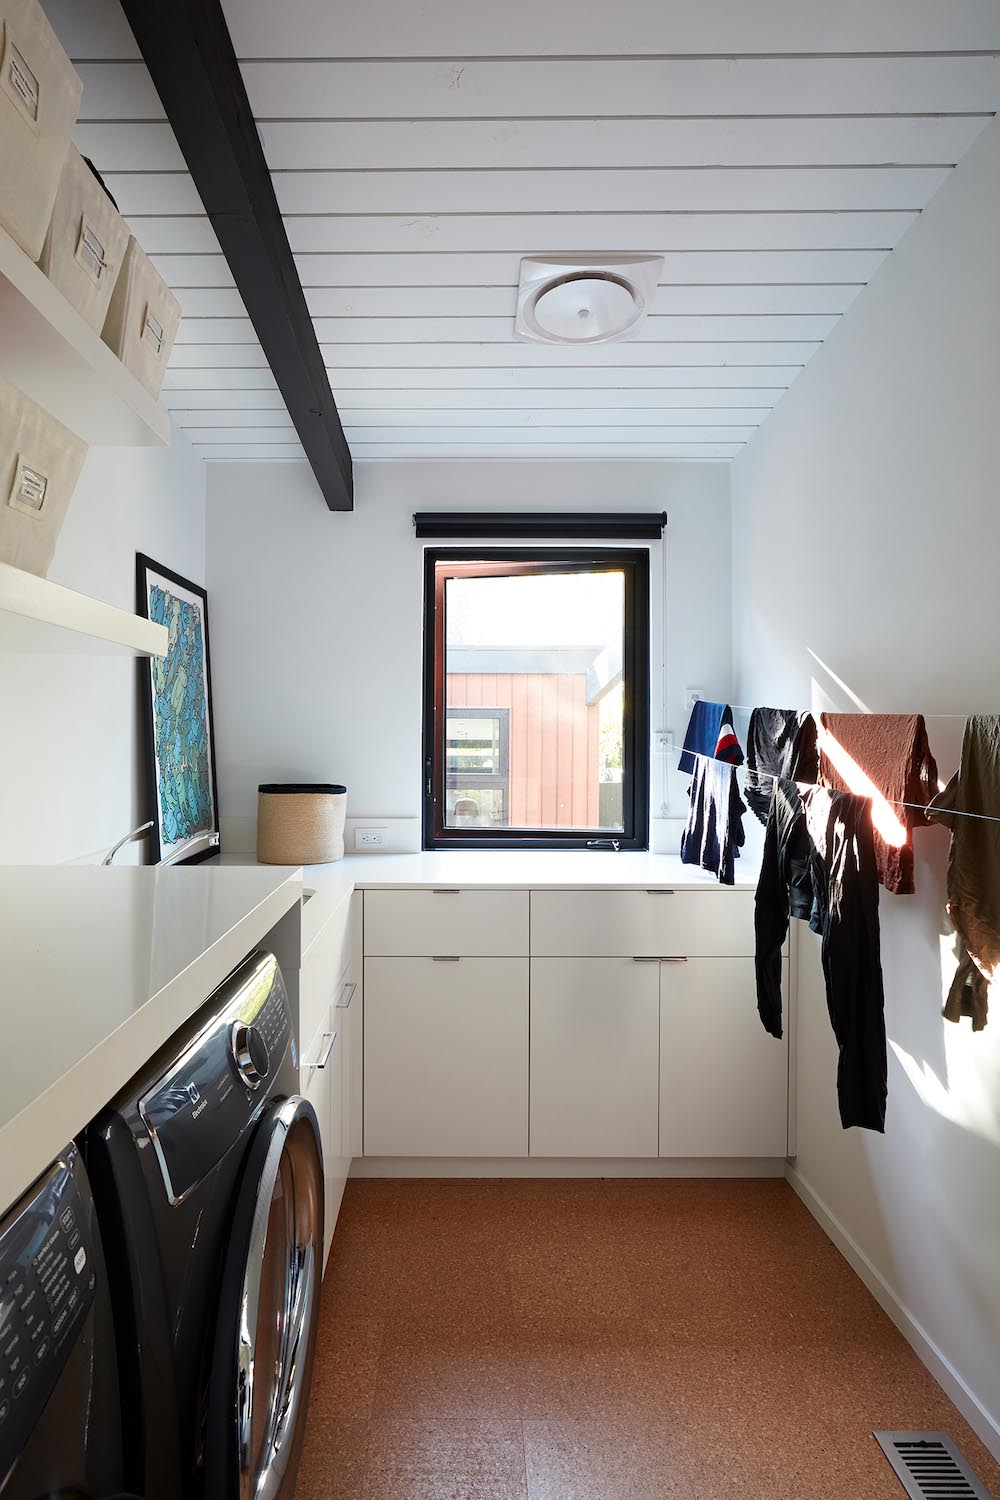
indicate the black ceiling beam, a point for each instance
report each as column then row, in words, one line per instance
column 189, row 53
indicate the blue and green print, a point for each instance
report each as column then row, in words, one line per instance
column 180, row 720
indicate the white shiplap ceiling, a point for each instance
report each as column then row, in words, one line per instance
column 773, row 151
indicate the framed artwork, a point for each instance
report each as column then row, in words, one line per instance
column 177, row 709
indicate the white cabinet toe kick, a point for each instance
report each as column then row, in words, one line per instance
column 565, row 1032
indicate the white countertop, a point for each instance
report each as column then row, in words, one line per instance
column 496, row 869
column 101, row 966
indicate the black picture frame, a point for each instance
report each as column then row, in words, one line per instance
column 634, row 563
column 205, row 841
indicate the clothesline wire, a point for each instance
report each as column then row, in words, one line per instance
column 771, row 776
column 745, row 708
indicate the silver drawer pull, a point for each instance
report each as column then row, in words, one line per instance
column 660, row 893
column 445, row 958
column 322, row 1062
column 446, row 891
column 661, row 958
column 348, row 990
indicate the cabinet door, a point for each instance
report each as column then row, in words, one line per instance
column 446, row 1057
column 322, row 1083
column 594, row 1057
column 723, row 1078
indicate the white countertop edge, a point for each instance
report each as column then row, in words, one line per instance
column 34, row 1137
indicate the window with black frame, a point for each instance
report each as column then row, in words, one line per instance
column 536, row 730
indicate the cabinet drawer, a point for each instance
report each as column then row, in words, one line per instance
column 472, row 924
column 446, row 1057
column 325, row 969
column 626, row 924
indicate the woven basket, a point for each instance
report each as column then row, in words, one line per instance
column 300, row 823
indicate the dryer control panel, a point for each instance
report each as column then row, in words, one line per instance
column 201, row 1106
column 47, row 1283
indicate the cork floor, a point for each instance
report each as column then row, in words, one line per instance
column 604, row 1341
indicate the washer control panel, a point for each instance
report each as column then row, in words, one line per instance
column 47, row 1283
column 200, row 1107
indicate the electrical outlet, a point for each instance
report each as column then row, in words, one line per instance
column 370, row 838
column 691, row 696
column 664, row 740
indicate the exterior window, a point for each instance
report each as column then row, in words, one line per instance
column 536, row 698
column 476, row 766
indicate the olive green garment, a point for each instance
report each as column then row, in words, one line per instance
column 974, row 866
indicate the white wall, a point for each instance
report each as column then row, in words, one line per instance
column 866, row 537
column 70, row 779
column 317, row 618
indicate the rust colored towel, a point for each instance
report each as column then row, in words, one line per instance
column 886, row 757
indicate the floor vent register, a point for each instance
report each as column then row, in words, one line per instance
column 931, row 1467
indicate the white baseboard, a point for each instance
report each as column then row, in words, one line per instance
column 572, row 1166
column 983, row 1423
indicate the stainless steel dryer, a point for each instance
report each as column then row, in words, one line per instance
column 207, row 1172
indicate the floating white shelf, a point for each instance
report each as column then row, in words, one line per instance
column 50, row 353
column 37, row 615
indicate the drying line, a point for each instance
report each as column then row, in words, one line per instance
column 745, row 708
column 923, row 807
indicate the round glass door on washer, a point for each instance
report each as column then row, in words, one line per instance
column 208, row 1176
column 268, row 1312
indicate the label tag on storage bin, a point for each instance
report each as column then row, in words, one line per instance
column 152, row 332
column 90, row 251
column 28, row 492
column 21, row 82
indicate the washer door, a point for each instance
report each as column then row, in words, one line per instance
column 268, row 1312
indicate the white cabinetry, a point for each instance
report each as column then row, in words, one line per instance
column 639, row 1007
column 446, row 1056
column 723, row 1078
column 594, row 1057
column 330, row 1031
column 446, row 921
column 570, row 924
column 322, row 1079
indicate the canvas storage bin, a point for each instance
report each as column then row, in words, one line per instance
column 142, row 319
column 40, row 463
column 86, row 242
column 40, row 94
column 300, row 823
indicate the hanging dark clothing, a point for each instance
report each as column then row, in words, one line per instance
column 781, row 742
column 892, row 751
column 974, row 867
column 714, row 834
column 819, row 865
column 710, row 732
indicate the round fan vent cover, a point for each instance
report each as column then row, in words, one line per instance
column 586, row 299
column 585, row 309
